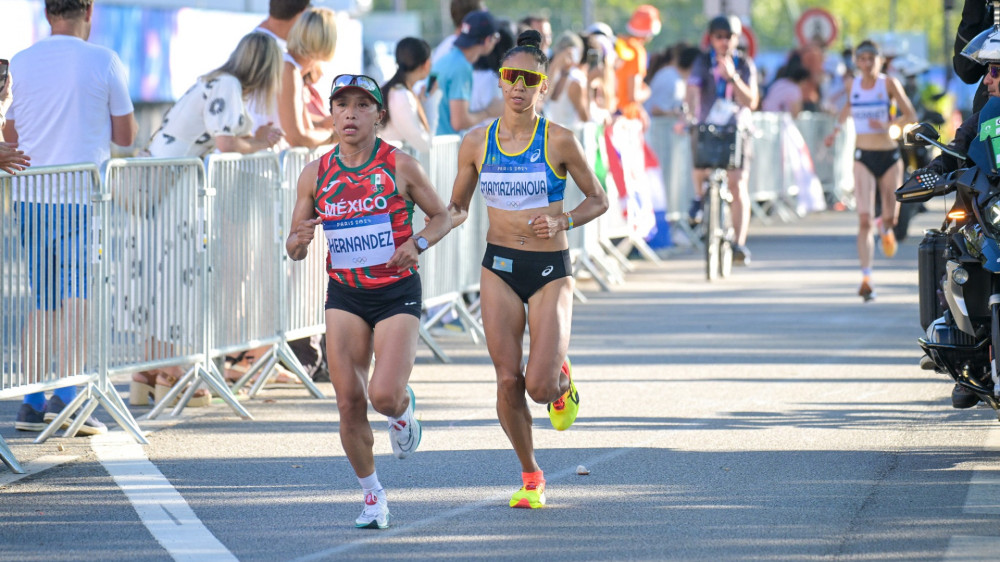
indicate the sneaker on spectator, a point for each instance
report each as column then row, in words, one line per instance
column 92, row 426
column 694, row 211
column 741, row 255
column 29, row 419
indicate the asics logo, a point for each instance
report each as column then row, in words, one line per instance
column 547, row 271
column 410, row 303
column 536, row 155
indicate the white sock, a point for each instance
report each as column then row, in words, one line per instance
column 370, row 483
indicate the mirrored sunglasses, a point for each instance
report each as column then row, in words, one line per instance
column 994, row 71
column 366, row 83
column 530, row 78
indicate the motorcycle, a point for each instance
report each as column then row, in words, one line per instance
column 959, row 272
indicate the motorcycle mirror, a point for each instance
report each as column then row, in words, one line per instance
column 913, row 131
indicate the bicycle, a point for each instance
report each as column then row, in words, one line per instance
column 718, row 148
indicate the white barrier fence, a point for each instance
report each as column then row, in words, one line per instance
column 178, row 262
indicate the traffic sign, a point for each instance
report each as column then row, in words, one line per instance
column 816, row 25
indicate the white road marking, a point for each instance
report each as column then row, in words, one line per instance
column 162, row 509
column 983, row 498
column 34, row 467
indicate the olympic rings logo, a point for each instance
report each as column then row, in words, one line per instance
column 513, row 204
column 360, row 260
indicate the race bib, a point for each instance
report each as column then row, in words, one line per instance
column 514, row 187
column 359, row 242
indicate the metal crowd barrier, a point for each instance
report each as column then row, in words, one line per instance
column 768, row 184
column 305, row 286
column 155, row 282
column 246, row 240
column 450, row 267
column 834, row 165
column 51, row 262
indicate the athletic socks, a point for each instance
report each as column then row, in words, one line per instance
column 370, row 483
column 35, row 400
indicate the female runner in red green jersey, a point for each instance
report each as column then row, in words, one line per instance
column 362, row 193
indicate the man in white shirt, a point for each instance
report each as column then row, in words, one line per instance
column 70, row 102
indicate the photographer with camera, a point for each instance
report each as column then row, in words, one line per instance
column 722, row 90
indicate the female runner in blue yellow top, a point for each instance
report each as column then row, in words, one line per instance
column 362, row 193
column 520, row 163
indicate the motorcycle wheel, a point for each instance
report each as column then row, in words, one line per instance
column 713, row 238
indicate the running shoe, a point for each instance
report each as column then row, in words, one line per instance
column 866, row 292
column 562, row 412
column 376, row 512
column 405, row 432
column 530, row 496
column 741, row 255
column 889, row 243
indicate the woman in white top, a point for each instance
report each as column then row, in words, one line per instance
column 405, row 117
column 311, row 42
column 569, row 102
column 878, row 168
column 212, row 114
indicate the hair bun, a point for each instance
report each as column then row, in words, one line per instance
column 530, row 38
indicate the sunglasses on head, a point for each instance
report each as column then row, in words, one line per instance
column 357, row 80
column 994, row 71
column 530, row 78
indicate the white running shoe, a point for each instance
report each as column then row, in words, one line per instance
column 376, row 512
column 405, row 432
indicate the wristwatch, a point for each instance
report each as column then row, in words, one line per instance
column 422, row 243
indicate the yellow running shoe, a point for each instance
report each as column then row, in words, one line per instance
column 530, row 496
column 889, row 243
column 562, row 412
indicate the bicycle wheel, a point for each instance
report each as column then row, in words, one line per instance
column 727, row 233
column 713, row 229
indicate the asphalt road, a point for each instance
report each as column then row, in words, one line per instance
column 769, row 416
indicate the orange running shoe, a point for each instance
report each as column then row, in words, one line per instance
column 889, row 243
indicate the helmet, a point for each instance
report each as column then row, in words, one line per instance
column 985, row 47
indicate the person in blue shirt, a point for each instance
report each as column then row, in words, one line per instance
column 453, row 72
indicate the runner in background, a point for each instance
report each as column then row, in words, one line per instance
column 878, row 168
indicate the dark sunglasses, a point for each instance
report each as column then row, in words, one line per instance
column 530, row 78
column 994, row 71
column 726, row 36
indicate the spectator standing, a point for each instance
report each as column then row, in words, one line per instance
column 458, row 9
column 668, row 86
column 12, row 160
column 405, row 117
column 542, row 25
column 723, row 84
column 785, row 93
column 630, row 75
column 454, row 75
column 569, row 100
column 70, row 102
column 486, row 72
column 213, row 113
column 281, row 16
column 311, row 42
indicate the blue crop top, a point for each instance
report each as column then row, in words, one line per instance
column 525, row 180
